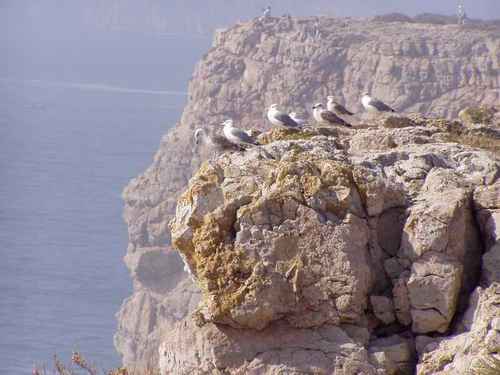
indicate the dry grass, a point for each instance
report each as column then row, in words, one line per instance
column 79, row 365
column 477, row 141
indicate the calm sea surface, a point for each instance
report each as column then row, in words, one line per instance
column 72, row 134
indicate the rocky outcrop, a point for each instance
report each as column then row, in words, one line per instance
column 377, row 188
column 332, row 233
column 475, row 351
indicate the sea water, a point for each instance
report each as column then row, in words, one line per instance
column 76, row 124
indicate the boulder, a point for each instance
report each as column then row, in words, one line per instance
column 433, row 289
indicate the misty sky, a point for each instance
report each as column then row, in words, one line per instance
column 179, row 15
column 488, row 9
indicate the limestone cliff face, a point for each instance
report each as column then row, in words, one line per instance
column 414, row 67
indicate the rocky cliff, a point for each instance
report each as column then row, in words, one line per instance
column 355, row 251
column 343, row 250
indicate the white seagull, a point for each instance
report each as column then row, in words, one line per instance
column 298, row 120
column 200, row 136
column 280, row 119
column 335, row 107
column 325, row 117
column 266, row 12
column 237, row 136
column 374, row 105
column 216, row 141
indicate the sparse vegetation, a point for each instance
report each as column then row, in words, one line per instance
column 294, row 135
column 79, row 366
column 478, row 115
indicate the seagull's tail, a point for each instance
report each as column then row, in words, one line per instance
column 345, row 123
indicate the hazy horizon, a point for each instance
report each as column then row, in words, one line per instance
column 188, row 16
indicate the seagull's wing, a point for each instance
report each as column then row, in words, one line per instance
column 381, row 106
column 242, row 136
column 333, row 118
column 342, row 110
column 285, row 119
column 222, row 142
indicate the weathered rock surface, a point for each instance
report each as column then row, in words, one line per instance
column 306, row 240
column 474, row 351
column 278, row 349
column 163, row 295
column 291, row 233
column 393, row 355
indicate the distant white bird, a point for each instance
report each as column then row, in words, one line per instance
column 266, row 12
column 281, row 119
column 335, row 107
column 325, row 117
column 237, row 136
column 298, row 120
column 215, row 141
column 199, row 136
column 374, row 105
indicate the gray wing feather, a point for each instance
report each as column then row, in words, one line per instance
column 381, row 106
column 244, row 137
column 333, row 118
column 222, row 142
column 342, row 110
column 287, row 120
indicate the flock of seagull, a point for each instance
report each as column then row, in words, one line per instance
column 333, row 115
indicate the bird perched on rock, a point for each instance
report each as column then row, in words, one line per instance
column 215, row 141
column 325, row 117
column 374, row 105
column 281, row 119
column 298, row 120
column 266, row 12
column 336, row 108
column 200, row 136
column 237, row 136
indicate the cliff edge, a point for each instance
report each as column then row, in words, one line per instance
column 373, row 193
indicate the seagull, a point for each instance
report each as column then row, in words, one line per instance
column 266, row 12
column 281, row 119
column 216, row 141
column 199, row 136
column 335, row 107
column 237, row 136
column 374, row 105
column 298, row 120
column 325, row 117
